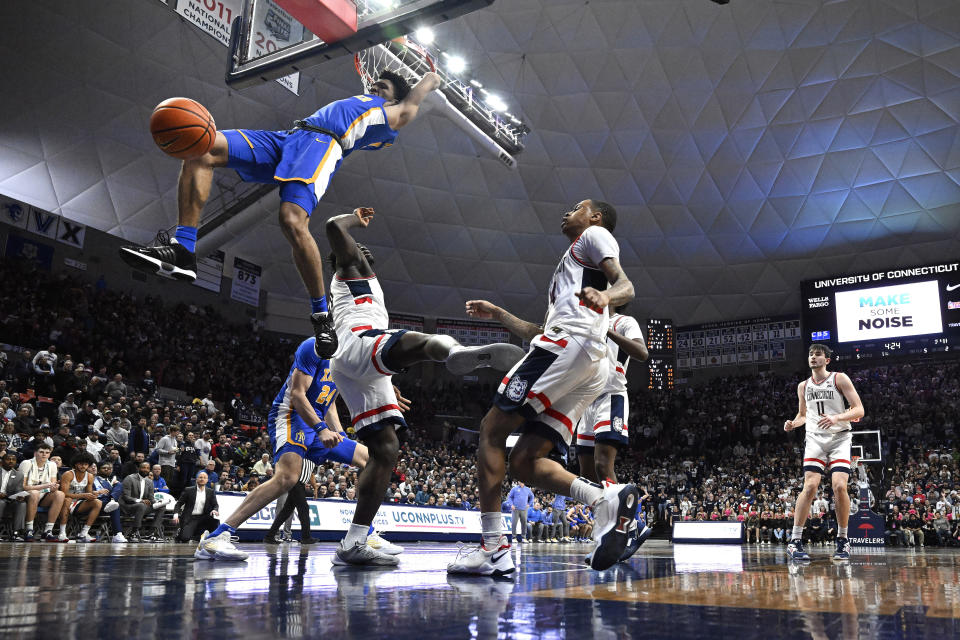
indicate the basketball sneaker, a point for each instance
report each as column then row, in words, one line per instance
column 795, row 551
column 842, row 553
column 500, row 356
column 613, row 514
column 362, row 554
column 86, row 537
column 326, row 337
column 484, row 562
column 384, row 546
column 118, row 537
column 218, row 548
column 111, row 506
column 167, row 259
column 635, row 542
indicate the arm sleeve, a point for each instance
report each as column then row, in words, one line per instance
column 596, row 245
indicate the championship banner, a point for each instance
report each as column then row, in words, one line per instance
column 335, row 516
column 210, row 271
column 246, row 282
column 23, row 249
column 215, row 17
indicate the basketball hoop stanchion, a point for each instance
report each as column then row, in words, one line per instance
column 866, row 528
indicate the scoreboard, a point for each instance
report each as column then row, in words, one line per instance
column 734, row 342
column 661, row 343
column 908, row 310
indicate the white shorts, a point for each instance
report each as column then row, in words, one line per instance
column 605, row 420
column 363, row 378
column 826, row 453
column 552, row 386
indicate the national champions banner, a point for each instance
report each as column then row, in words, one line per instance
column 399, row 521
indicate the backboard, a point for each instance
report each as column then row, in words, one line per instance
column 866, row 446
column 268, row 42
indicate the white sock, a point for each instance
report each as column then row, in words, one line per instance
column 582, row 490
column 63, row 531
column 841, row 532
column 797, row 533
column 85, row 530
column 491, row 524
column 356, row 533
column 30, row 526
column 48, row 528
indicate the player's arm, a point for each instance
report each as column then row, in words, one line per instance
column 845, row 385
column 619, row 292
column 333, row 418
column 403, row 112
column 299, row 383
column 636, row 348
column 341, row 241
column 489, row 311
column 800, row 418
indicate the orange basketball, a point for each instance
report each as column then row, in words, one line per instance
column 182, row 128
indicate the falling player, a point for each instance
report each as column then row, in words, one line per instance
column 547, row 392
column 828, row 402
column 603, row 429
column 302, row 161
column 368, row 355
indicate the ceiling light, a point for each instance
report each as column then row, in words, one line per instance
column 456, row 64
column 496, row 103
column 424, row 35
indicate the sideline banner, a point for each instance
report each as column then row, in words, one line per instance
column 403, row 521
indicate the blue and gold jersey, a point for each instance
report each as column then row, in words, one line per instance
column 322, row 391
column 360, row 121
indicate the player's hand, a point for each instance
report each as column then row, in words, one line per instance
column 330, row 438
column 826, row 421
column 404, row 403
column 788, row 425
column 365, row 214
column 596, row 300
column 481, row 309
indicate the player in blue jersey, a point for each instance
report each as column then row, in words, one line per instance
column 302, row 161
column 304, row 430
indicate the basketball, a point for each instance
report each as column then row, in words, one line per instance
column 182, row 128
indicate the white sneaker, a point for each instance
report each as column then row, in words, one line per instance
column 362, row 554
column 118, row 538
column 86, row 537
column 482, row 562
column 110, row 507
column 383, row 546
column 218, row 548
column 614, row 516
column 500, row 357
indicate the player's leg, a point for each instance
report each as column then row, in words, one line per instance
column 610, row 433
column 840, row 473
column 196, row 176
column 92, row 509
column 411, row 347
column 811, row 480
column 605, row 455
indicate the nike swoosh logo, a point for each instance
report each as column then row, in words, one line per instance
column 497, row 557
column 951, row 287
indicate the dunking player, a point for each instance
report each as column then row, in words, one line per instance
column 603, row 429
column 547, row 392
column 368, row 355
column 828, row 402
column 302, row 160
column 304, row 431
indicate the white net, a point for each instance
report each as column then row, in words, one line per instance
column 399, row 55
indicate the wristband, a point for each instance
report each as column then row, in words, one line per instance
column 320, row 426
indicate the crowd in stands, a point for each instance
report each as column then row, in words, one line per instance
column 82, row 373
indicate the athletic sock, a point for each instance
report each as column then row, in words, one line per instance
column 63, row 531
column 582, row 490
column 491, row 526
column 841, row 532
column 85, row 530
column 797, row 533
column 186, row 237
column 30, row 526
column 48, row 528
column 356, row 533
column 221, row 529
column 318, row 305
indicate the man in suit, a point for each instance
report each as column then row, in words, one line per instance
column 199, row 507
column 11, row 483
column 137, row 501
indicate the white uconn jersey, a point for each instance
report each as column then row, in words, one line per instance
column 627, row 327
column 580, row 268
column 824, row 399
column 358, row 305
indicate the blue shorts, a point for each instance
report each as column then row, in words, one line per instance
column 303, row 162
column 298, row 437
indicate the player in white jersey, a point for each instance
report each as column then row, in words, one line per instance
column 368, row 355
column 604, row 427
column 828, row 402
column 546, row 393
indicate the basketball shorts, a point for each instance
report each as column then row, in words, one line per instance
column 301, row 161
column 605, row 420
column 289, row 433
column 363, row 372
column 552, row 386
column 826, row 453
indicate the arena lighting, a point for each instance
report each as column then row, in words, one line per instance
column 496, row 103
column 476, row 84
column 455, row 64
column 424, row 35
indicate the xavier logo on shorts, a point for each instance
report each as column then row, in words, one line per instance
column 517, row 389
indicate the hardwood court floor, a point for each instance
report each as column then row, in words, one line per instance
column 146, row 591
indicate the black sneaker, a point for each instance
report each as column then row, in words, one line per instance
column 326, row 344
column 308, row 541
column 134, row 537
column 167, row 259
column 270, row 539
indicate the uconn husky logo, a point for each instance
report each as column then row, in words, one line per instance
column 517, row 389
column 617, row 424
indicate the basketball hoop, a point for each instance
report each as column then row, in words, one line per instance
column 400, row 55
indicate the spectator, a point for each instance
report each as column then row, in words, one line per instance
column 212, row 476
column 116, row 388
column 93, row 446
column 520, row 499
column 137, row 502
column 11, row 495
column 40, row 481
column 68, row 409
column 169, row 447
column 262, row 465
column 103, row 484
column 200, row 510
